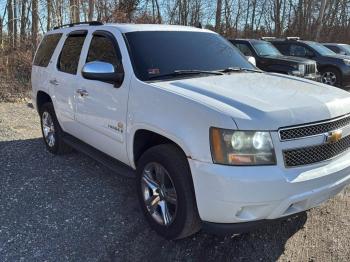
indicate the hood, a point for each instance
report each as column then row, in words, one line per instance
column 264, row 101
column 338, row 56
column 290, row 59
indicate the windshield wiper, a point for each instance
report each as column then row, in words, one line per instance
column 239, row 69
column 186, row 72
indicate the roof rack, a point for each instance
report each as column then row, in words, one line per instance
column 80, row 23
column 267, row 38
column 296, row 38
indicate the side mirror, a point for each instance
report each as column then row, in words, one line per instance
column 102, row 71
column 252, row 60
column 342, row 53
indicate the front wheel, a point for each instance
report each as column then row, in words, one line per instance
column 331, row 76
column 165, row 192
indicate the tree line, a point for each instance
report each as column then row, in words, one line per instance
column 22, row 22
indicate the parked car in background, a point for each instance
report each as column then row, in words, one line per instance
column 269, row 59
column 341, row 49
column 334, row 68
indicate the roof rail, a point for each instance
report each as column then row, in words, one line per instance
column 296, row 38
column 80, row 23
column 267, row 38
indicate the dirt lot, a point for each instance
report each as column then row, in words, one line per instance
column 59, row 208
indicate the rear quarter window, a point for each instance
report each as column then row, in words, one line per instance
column 46, row 49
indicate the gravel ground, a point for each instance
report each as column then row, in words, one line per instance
column 59, row 208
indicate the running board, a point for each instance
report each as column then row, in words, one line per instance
column 106, row 160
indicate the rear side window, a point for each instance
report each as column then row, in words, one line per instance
column 46, row 49
column 284, row 49
column 70, row 54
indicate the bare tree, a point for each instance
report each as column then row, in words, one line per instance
column 10, row 22
column 91, row 10
column 35, row 22
column 218, row 16
column 320, row 19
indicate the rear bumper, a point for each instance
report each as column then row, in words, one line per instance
column 227, row 194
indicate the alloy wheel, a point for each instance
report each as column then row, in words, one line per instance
column 48, row 129
column 329, row 78
column 159, row 194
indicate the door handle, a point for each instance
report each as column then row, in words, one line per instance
column 54, row 82
column 82, row 92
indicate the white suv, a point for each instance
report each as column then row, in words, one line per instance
column 213, row 141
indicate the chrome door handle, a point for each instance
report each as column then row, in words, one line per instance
column 82, row 92
column 53, row 82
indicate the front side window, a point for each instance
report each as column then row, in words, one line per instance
column 155, row 53
column 265, row 49
column 244, row 48
column 334, row 48
column 70, row 54
column 104, row 50
column 46, row 49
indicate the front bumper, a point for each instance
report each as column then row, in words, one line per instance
column 313, row 77
column 227, row 194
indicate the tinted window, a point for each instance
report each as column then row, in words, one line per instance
column 46, row 49
column 333, row 48
column 265, row 49
column 298, row 50
column 284, row 49
column 162, row 52
column 69, row 57
column 244, row 48
column 103, row 49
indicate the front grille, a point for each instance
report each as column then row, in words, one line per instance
column 315, row 154
column 314, row 129
column 310, row 69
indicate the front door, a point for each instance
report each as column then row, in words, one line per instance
column 101, row 108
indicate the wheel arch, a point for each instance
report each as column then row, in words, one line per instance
column 42, row 98
column 143, row 138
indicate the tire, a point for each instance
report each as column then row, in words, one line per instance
column 331, row 76
column 53, row 138
column 183, row 219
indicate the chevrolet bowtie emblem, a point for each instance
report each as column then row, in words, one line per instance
column 334, row 136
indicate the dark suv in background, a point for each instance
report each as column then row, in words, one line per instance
column 269, row 59
column 341, row 49
column 334, row 68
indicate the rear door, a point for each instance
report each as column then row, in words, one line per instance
column 64, row 81
column 101, row 111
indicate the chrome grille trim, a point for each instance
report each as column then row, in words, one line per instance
column 310, row 69
column 313, row 129
column 315, row 154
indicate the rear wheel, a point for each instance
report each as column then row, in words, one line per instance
column 51, row 130
column 331, row 76
column 165, row 192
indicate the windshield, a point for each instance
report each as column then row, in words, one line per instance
column 321, row 49
column 265, row 49
column 345, row 47
column 162, row 52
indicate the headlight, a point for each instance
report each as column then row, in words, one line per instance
column 302, row 69
column 229, row 147
column 347, row 62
